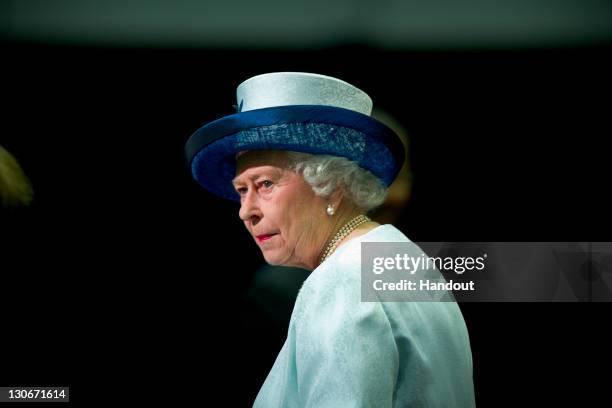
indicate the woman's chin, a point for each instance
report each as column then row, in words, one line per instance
column 273, row 258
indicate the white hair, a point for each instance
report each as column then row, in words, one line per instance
column 326, row 174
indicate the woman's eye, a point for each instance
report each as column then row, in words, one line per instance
column 241, row 190
column 266, row 183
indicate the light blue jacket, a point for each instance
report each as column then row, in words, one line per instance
column 342, row 352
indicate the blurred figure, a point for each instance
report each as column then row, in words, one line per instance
column 399, row 191
column 15, row 187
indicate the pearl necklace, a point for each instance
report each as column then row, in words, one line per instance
column 340, row 235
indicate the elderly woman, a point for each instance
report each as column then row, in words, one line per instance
column 307, row 163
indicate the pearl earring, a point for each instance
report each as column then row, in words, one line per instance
column 330, row 209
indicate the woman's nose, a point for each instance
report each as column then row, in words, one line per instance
column 249, row 208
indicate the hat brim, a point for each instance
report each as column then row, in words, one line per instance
column 316, row 129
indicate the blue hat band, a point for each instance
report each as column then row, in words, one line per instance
column 303, row 128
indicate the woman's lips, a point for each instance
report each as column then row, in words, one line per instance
column 264, row 237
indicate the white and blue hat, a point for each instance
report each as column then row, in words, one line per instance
column 293, row 111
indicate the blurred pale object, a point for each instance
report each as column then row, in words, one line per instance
column 15, row 187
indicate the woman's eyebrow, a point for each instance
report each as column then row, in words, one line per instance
column 274, row 173
column 237, row 180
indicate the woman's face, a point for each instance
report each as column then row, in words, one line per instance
column 280, row 209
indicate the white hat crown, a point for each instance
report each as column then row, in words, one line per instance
column 300, row 88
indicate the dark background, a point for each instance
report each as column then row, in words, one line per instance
column 126, row 280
